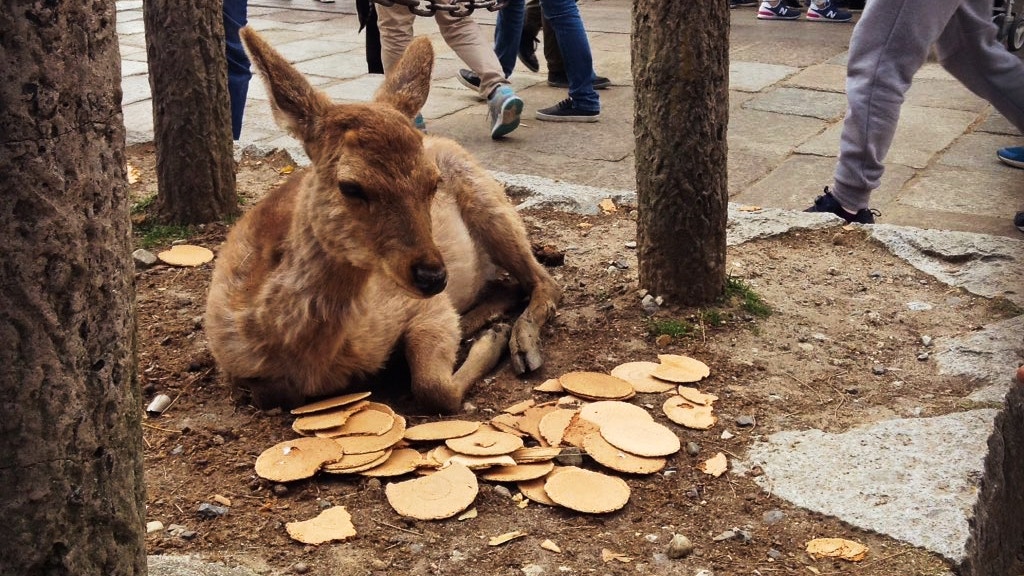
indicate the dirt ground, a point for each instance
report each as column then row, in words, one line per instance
column 839, row 312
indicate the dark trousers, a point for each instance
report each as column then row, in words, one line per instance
column 368, row 21
column 239, row 74
column 532, row 26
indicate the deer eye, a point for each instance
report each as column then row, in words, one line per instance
column 352, row 191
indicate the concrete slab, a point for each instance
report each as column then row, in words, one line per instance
column 822, row 77
column 912, row 479
column 987, row 356
column 752, row 128
column 947, row 94
column 754, row 77
column 800, row 102
column 170, row 565
column 942, row 188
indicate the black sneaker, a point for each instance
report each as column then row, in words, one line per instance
column 566, row 111
column 528, row 53
column 743, row 3
column 1018, row 221
column 470, row 80
column 827, row 203
column 562, row 81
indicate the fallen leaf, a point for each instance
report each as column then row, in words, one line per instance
column 222, row 500
column 715, row 466
column 837, row 548
column 549, row 545
column 607, row 206
column 505, row 538
column 749, row 208
column 287, row 169
column 607, row 556
column 585, row 225
column 133, row 174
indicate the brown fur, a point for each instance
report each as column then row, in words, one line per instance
column 320, row 281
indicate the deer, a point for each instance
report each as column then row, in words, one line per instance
column 389, row 242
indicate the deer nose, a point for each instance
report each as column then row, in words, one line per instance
column 429, row 279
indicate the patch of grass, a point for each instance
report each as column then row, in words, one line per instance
column 712, row 317
column 140, row 206
column 670, row 327
column 151, row 235
column 748, row 299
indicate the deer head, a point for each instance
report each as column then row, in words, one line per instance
column 367, row 199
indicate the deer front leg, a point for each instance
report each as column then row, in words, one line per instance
column 431, row 343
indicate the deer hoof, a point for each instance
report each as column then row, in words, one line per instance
column 524, row 347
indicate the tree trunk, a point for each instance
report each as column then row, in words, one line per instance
column 70, row 429
column 191, row 111
column 680, row 75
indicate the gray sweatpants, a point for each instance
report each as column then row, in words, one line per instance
column 889, row 45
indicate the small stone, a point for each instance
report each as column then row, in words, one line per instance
column 922, row 356
column 745, row 421
column 569, row 457
column 532, row 570
column 875, row 274
column 703, row 572
column 692, row 448
column 663, row 340
column 819, row 337
column 207, row 510
column 926, row 341
column 774, row 554
column 805, row 346
column 659, row 300
column 773, row 517
column 143, row 258
column 280, row 490
column 502, row 491
column 188, row 534
column 744, row 536
column 919, row 306
column 300, row 568
column 727, row 535
column 679, row 547
column 726, row 435
column 878, row 370
column 154, row 526
column 631, row 245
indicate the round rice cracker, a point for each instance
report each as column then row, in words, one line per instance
column 553, row 425
column 689, row 415
column 442, row 430
column 519, row 472
column 596, row 386
column 485, row 442
column 534, row 489
column 642, row 438
column 638, row 374
column 367, row 443
column 612, row 410
column 355, row 463
column 297, row 459
column 607, row 455
column 332, row 524
column 402, row 461
column 442, row 494
column 586, row 491
column 330, row 403
column 186, row 255
column 680, row 369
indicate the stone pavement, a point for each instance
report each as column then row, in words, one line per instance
column 946, row 205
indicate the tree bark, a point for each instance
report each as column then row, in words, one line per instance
column 70, row 429
column 191, row 111
column 680, row 75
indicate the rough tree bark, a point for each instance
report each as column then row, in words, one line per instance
column 191, row 111
column 70, row 424
column 680, row 56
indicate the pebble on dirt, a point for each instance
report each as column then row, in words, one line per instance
column 207, row 510
column 143, row 258
column 679, row 547
column 745, row 421
column 692, row 448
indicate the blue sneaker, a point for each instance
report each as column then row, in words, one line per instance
column 827, row 12
column 504, row 109
column 780, row 12
column 1012, row 156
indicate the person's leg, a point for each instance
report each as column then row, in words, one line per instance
column 507, row 34
column 565, row 20
column 889, row 44
column 239, row 73
column 532, row 24
column 968, row 49
column 395, row 24
column 368, row 22
column 464, row 37
column 552, row 54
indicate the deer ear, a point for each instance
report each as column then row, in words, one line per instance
column 407, row 84
column 296, row 104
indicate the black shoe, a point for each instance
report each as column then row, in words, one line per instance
column 827, row 203
column 562, row 81
column 470, row 80
column 1018, row 221
column 528, row 53
column 743, row 3
column 566, row 111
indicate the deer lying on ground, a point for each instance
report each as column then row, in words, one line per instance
column 386, row 239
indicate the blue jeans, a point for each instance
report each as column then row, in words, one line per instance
column 564, row 18
column 235, row 17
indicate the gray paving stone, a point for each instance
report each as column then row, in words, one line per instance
column 754, row 77
column 800, row 102
column 823, row 77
